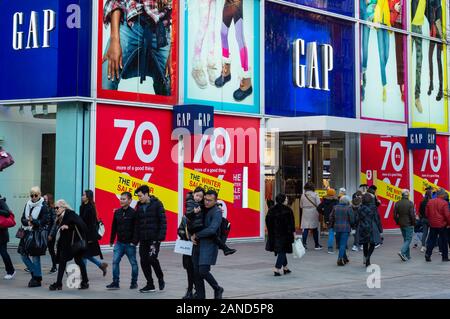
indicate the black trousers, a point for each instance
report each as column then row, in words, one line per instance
column 202, row 273
column 368, row 249
column 51, row 251
column 62, row 269
column 6, row 259
column 150, row 261
column 189, row 266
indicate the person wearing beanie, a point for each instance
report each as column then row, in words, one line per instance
column 325, row 208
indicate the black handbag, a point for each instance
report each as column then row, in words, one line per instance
column 78, row 246
column 36, row 242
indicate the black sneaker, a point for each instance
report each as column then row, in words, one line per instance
column 54, row 287
column 148, row 288
column 84, row 286
column 133, row 285
column 402, row 257
column 53, row 270
column 222, row 80
column 427, row 258
column 33, row 283
column 162, row 284
column 218, row 293
column 318, row 247
column 189, row 295
column 113, row 286
column 26, row 270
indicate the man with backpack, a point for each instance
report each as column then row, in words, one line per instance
column 205, row 251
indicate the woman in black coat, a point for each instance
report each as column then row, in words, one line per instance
column 281, row 233
column 4, row 239
column 71, row 230
column 88, row 213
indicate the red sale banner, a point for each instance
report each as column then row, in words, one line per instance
column 431, row 168
column 384, row 163
column 228, row 161
column 133, row 147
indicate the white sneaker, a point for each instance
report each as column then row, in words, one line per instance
column 354, row 248
column 423, row 249
column 199, row 77
column 9, row 277
column 377, row 246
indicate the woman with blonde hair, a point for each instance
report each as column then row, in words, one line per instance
column 34, row 219
column 70, row 243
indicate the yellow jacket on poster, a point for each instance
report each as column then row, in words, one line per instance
column 419, row 16
column 382, row 13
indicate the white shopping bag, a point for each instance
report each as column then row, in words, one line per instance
column 297, row 248
column 183, row 247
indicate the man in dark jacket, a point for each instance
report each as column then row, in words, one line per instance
column 150, row 230
column 325, row 208
column 438, row 216
column 123, row 228
column 205, row 249
column 4, row 239
column 423, row 218
column 405, row 217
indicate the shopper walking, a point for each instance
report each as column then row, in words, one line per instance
column 4, row 239
column 71, row 234
column 205, row 249
column 423, row 217
column 150, row 230
column 34, row 219
column 88, row 213
column 49, row 201
column 123, row 229
column 405, row 217
column 309, row 202
column 281, row 233
column 369, row 227
column 356, row 203
column 438, row 214
column 325, row 208
column 341, row 220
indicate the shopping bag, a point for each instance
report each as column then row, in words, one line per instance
column 7, row 222
column 183, row 247
column 297, row 248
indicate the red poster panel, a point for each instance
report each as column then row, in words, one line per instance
column 228, row 161
column 431, row 168
column 133, row 147
column 384, row 163
column 143, row 53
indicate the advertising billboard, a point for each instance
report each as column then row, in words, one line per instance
column 138, row 51
column 133, row 148
column 45, row 49
column 222, row 54
column 385, row 164
column 306, row 63
column 227, row 160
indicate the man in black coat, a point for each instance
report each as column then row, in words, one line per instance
column 4, row 239
column 123, row 228
column 150, row 230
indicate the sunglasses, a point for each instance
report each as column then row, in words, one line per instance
column 57, row 207
column 34, row 195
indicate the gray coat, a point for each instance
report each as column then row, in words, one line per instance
column 207, row 249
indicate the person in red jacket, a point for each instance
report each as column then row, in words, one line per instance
column 438, row 214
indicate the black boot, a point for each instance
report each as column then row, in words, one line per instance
column 189, row 295
column 440, row 95
column 340, row 262
column 228, row 251
column 34, row 282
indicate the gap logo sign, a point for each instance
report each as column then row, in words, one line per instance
column 45, row 49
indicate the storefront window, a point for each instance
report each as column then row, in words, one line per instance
column 390, row 13
column 427, row 18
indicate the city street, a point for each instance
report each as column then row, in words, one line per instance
column 248, row 274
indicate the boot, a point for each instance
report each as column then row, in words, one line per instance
column 245, row 89
column 346, row 260
column 55, row 286
column 104, row 267
column 228, row 251
column 189, row 295
column 34, row 282
column 340, row 262
column 367, row 262
column 225, row 76
column 440, row 95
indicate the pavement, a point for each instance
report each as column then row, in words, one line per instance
column 248, row 274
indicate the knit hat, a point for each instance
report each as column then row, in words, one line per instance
column 331, row 192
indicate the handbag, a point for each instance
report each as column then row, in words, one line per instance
column 78, row 246
column 183, row 247
column 6, row 159
column 298, row 249
column 100, row 229
column 36, row 242
column 7, row 222
column 20, row 233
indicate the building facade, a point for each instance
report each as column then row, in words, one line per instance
column 319, row 91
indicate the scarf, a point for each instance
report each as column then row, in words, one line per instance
column 36, row 209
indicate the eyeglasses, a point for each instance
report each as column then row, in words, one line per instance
column 57, row 208
column 34, row 195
